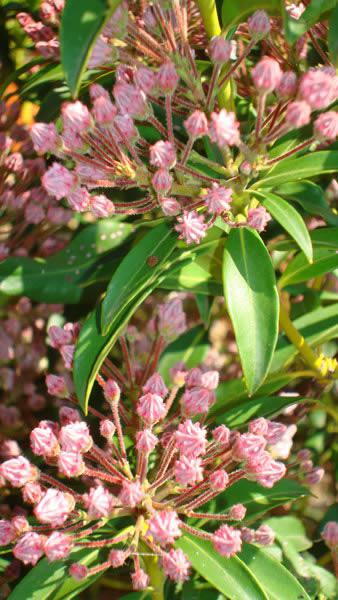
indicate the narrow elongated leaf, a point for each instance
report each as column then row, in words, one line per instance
column 267, row 407
column 228, row 575
column 136, row 271
column 299, row 270
column 58, row 278
column 81, row 23
column 289, row 219
column 190, row 347
column 276, row 580
column 294, row 169
column 311, row 198
column 252, row 300
column 333, row 35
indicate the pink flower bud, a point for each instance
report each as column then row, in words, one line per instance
column 170, row 206
column 266, row 75
column 58, row 181
column 162, row 181
column 188, row 471
column 96, row 91
column 218, row 199
column 78, row 571
column 259, row 426
column 126, row 125
column 330, row 534
column 18, row 471
column 247, row 446
column 167, row 78
column 117, row 558
column 29, row 548
column 68, row 415
column 258, row 218
column 326, row 126
column 264, row 535
column 219, row 480
column 219, row 50
column 103, row 110
column 155, row 385
column 237, row 512
column 224, row 129
column 9, row 449
column 195, row 401
column 162, row 155
column 111, row 391
column 193, row 378
column 20, row 524
column 32, row 493
column 146, row 440
column 248, row 535
column 107, row 429
column 259, row 24
column 151, row 408
column 145, row 79
column 75, row 437
column 287, row 86
column 314, row 476
column 70, row 464
column 101, row 206
column 191, row 439
column 171, row 319
column 266, row 471
column 196, row 124
column 59, row 337
column 221, row 434
column 191, row 227
column 304, row 454
column 175, row 565
column 79, row 199
column 44, row 137
column 227, row 541
column 275, row 432
column 99, row 502
column 164, row 526
column 7, row 532
column 76, row 116
column 318, row 88
column 298, row 114
column 101, row 54
column 43, row 442
column 131, row 493
column 140, row 579
column 130, row 100
column 57, row 546
column 54, row 507
column 56, row 386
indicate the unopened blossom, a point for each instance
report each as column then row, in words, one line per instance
column 330, row 534
column 71, row 464
column 247, row 446
column 264, row 469
column 103, row 110
column 78, row 571
column 196, row 124
column 59, row 336
column 175, row 565
column 140, row 579
column 219, row 480
column 79, row 199
column 193, row 378
column 258, row 218
column 298, row 113
column 162, row 155
column 191, row 227
column 264, row 535
column 145, row 79
column 259, row 426
column 29, row 548
column 227, row 540
column 44, row 137
column 259, row 24
column 318, row 88
column 155, row 385
column 111, row 391
column 167, row 78
column 57, row 546
column 162, row 181
column 68, row 415
column 221, row 434
column 56, row 386
column 188, row 471
column 326, row 126
column 287, row 86
column 219, row 50
column 170, row 206
column 75, row 437
column 224, row 128
column 266, row 75
column 282, row 448
column 44, row 442
column 146, row 440
column 275, row 432
column 314, row 476
column 58, row 181
column 7, row 532
column 130, row 100
column 191, row 439
column 101, row 206
column 195, row 400
column 210, row 380
column 18, row 471
column 218, row 199
column 164, row 526
column 76, row 116
column 131, row 493
column 99, row 502
column 117, row 558
column 32, row 493
column 54, row 507
column 171, row 319
column 107, row 428
column 237, row 512
column 151, row 408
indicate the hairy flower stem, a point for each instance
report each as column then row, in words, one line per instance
column 237, row 63
column 212, row 86
column 260, row 114
column 169, row 116
column 187, row 151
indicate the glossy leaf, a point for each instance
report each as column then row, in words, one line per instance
column 267, row 407
column 309, row 196
column 237, row 12
column 190, row 347
column 81, row 23
column 276, row 580
column 289, row 219
column 252, row 301
column 59, row 278
column 299, row 270
column 294, row 169
column 228, row 575
column 333, row 35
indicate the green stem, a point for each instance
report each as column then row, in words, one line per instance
column 156, row 576
column 212, row 26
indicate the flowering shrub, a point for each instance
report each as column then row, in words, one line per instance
column 168, row 258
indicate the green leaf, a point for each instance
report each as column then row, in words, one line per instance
column 228, row 575
column 291, row 530
column 81, row 23
column 267, row 407
column 333, row 35
column 276, row 580
column 237, row 12
column 310, row 197
column 293, row 169
column 295, row 28
column 192, row 277
column 47, row 580
column 57, row 279
column 299, row 270
column 190, row 347
column 252, row 301
column 136, row 271
column 46, row 75
column 290, row 219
